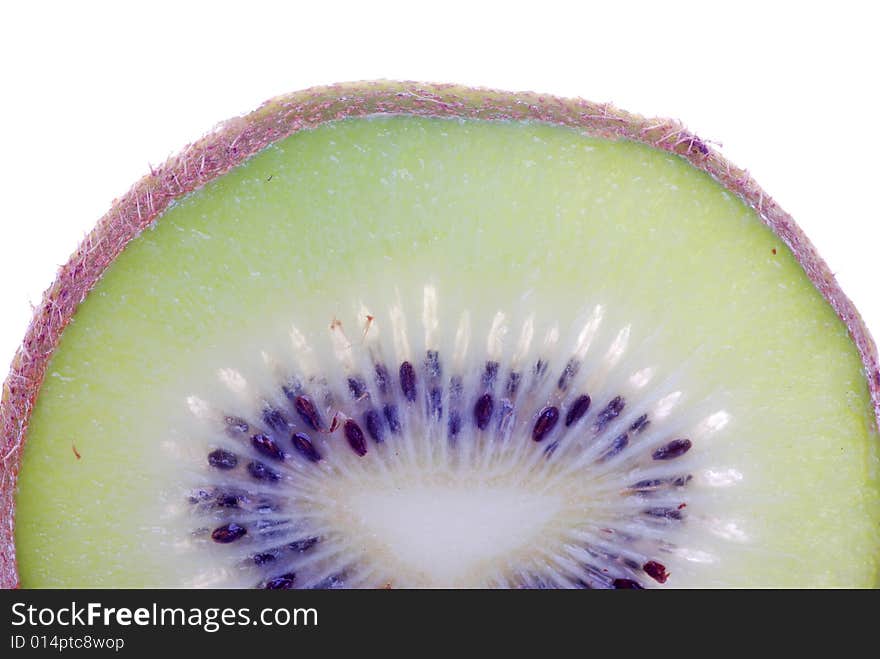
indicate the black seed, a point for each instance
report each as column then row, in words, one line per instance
column 665, row 513
column 432, row 364
column 408, row 381
column 262, row 559
column 674, row 449
column 235, row 425
column 652, row 484
column 640, row 424
column 540, row 367
column 303, row 545
column 228, row 533
column 454, row 425
column 275, row 420
column 657, row 571
column 390, row 412
column 228, row 500
column 303, row 444
column 374, row 425
column 627, row 584
column 307, row 411
column 570, row 370
column 267, row 446
column 483, row 411
column 355, row 437
column 649, row 485
column 619, row 443
column 435, row 403
column 546, row 422
column 382, row 378
column 357, row 387
column 284, row 582
column 261, row 472
column 513, row 383
column 221, row 459
column 490, row 372
column 610, row 412
column 577, row 410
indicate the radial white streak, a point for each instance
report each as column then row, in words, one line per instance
column 495, row 339
column 398, row 327
column 430, row 319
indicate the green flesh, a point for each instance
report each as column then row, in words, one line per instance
column 328, row 219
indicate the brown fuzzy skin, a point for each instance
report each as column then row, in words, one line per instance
column 237, row 139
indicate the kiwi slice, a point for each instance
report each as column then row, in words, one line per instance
column 397, row 335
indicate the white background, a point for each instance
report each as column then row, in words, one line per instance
column 92, row 94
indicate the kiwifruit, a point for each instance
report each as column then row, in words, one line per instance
column 404, row 335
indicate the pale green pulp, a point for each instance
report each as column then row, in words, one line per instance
column 332, row 217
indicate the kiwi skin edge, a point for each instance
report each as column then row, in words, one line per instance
column 234, row 141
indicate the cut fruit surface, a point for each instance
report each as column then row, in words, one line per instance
column 442, row 352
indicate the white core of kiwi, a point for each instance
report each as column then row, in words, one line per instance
column 587, row 503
